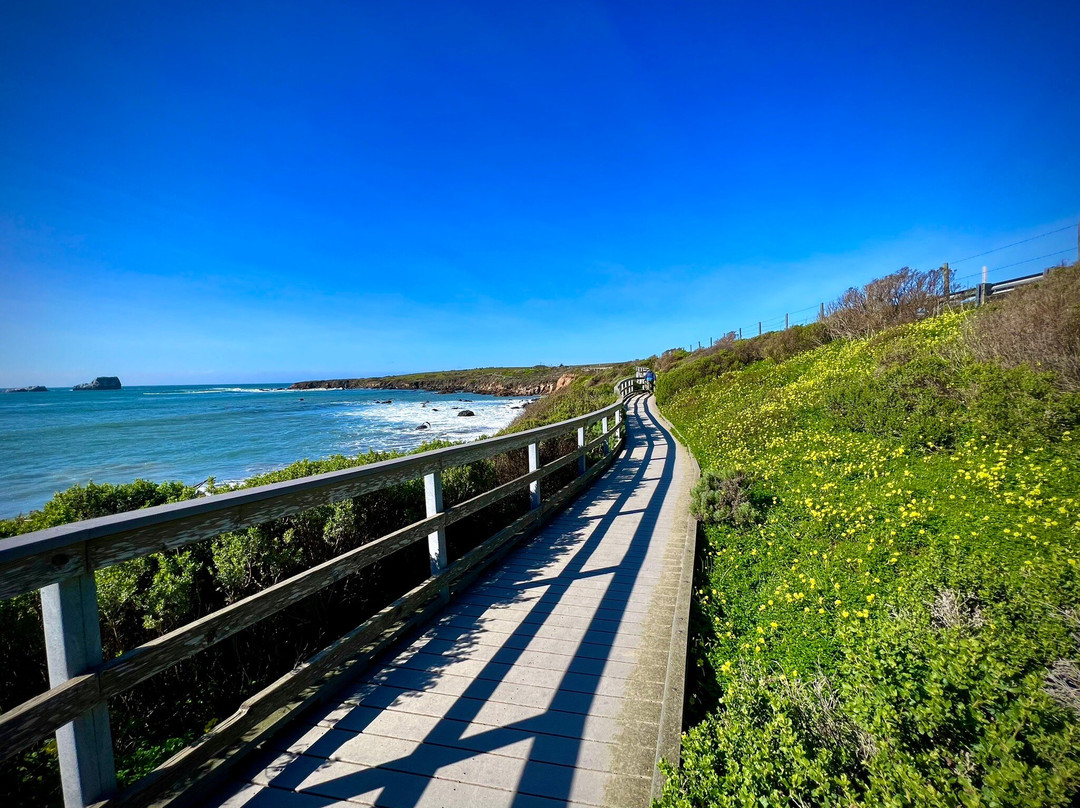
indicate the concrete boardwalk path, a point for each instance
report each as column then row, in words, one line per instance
column 541, row 685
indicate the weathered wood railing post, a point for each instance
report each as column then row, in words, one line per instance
column 534, row 486
column 69, row 612
column 581, row 443
column 607, row 441
column 433, row 499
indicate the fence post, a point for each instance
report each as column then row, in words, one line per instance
column 984, row 291
column 534, row 486
column 580, row 443
column 69, row 612
column 607, row 441
column 433, row 499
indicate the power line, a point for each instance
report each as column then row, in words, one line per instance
column 788, row 319
column 1041, row 257
column 1015, row 243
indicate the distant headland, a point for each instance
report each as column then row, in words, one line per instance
column 100, row 383
column 537, row 380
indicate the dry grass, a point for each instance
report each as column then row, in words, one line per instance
column 819, row 707
column 1063, row 684
column 952, row 610
column 1037, row 326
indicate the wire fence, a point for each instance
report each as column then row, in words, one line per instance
column 989, row 273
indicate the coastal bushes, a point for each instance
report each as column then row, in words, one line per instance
column 900, row 625
column 904, row 296
column 695, row 372
column 730, row 354
column 146, row 597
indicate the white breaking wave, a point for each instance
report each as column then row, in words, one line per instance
column 209, row 390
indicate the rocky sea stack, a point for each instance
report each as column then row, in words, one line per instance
column 100, row 383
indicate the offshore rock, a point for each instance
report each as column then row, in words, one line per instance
column 37, row 388
column 465, row 413
column 100, row 383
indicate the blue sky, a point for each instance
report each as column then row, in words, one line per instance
column 276, row 191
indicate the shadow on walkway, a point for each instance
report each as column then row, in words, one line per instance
column 514, row 694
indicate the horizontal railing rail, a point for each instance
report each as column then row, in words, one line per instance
column 45, row 557
column 982, row 292
column 61, row 562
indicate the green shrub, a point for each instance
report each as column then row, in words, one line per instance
column 782, row 345
column 669, row 358
column 917, row 402
column 695, row 372
column 720, row 497
column 92, row 500
column 731, row 354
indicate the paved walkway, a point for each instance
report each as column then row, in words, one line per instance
column 539, row 686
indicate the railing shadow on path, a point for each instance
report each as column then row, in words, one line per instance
column 547, row 776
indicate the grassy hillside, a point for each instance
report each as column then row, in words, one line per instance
column 887, row 604
column 590, row 390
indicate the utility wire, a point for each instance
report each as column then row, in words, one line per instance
column 1022, row 241
column 955, row 280
column 1041, row 257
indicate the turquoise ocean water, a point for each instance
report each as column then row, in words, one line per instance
column 51, row 441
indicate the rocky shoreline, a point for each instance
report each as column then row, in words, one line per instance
column 488, row 386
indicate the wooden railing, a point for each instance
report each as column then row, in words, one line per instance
column 61, row 562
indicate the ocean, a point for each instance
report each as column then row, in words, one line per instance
column 51, row 441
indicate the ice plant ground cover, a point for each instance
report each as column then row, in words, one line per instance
column 900, row 625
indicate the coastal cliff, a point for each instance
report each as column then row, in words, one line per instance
column 531, row 381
